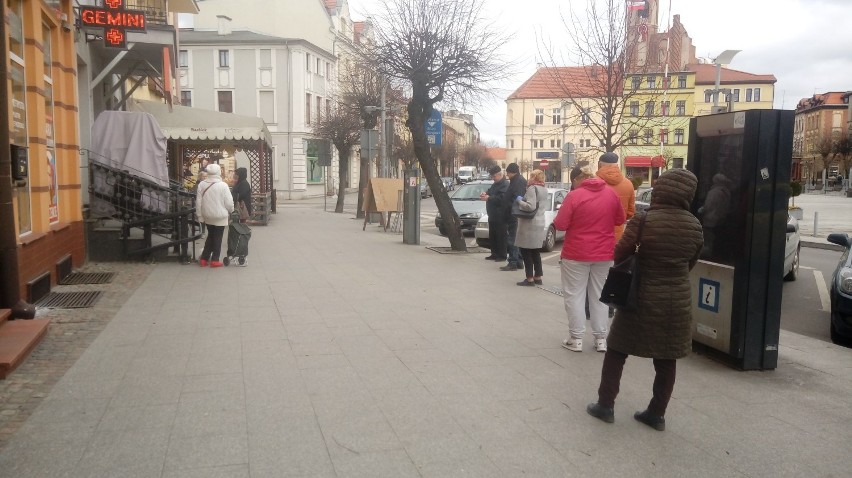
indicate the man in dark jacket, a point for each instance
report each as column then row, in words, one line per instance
column 495, row 205
column 517, row 187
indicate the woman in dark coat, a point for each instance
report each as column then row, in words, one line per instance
column 242, row 190
column 661, row 325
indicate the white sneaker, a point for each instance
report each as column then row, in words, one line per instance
column 574, row 345
column 600, row 345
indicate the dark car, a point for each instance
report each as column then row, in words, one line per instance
column 467, row 204
column 841, row 292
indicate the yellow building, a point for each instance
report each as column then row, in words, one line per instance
column 748, row 90
column 657, row 113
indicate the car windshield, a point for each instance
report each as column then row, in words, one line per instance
column 470, row 192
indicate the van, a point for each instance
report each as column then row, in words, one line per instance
column 466, row 173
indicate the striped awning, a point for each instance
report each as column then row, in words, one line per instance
column 643, row 161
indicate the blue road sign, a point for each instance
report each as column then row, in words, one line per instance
column 433, row 128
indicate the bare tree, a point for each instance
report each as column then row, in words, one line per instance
column 442, row 50
column 824, row 147
column 603, row 96
column 843, row 152
column 473, row 154
column 342, row 127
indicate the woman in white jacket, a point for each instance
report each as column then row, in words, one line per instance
column 213, row 205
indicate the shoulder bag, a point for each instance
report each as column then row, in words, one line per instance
column 520, row 213
column 621, row 289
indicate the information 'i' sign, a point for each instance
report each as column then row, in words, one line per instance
column 115, row 20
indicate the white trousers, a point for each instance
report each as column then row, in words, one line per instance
column 579, row 281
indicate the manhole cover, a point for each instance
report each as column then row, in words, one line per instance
column 449, row 250
column 76, row 278
column 69, row 300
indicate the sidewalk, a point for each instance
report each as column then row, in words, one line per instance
column 342, row 352
column 829, row 213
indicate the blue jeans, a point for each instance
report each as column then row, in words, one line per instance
column 514, row 252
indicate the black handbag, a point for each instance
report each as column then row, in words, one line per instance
column 521, row 214
column 622, row 283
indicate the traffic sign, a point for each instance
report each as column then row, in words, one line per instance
column 543, row 164
column 433, row 128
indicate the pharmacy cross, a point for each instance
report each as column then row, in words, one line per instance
column 115, row 20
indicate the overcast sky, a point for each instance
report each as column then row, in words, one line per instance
column 806, row 44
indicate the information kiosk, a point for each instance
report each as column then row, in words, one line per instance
column 742, row 161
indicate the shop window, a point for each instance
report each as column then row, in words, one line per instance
column 314, row 170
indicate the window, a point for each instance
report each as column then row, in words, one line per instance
column 18, row 100
column 53, row 185
column 678, row 136
column 223, row 59
column 586, row 143
column 649, row 136
column 632, row 137
column 664, row 108
column 736, row 94
column 666, row 82
column 314, row 170
column 307, row 108
column 308, row 61
column 649, row 108
column 183, row 59
column 186, row 98
column 557, row 116
column 327, row 70
column 539, row 116
column 327, row 107
column 267, row 106
column 319, row 108
column 652, row 82
column 634, row 108
column 552, row 143
column 681, row 81
column 265, row 58
column 584, row 115
column 604, row 119
column 708, row 96
column 319, row 67
column 637, row 82
column 225, row 101
column 677, row 163
column 748, row 95
column 680, row 108
column 555, row 143
column 664, row 136
column 512, row 143
column 757, row 94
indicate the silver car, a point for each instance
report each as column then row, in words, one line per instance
column 555, row 198
column 467, row 204
column 791, row 249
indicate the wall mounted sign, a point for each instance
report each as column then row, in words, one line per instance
column 115, row 20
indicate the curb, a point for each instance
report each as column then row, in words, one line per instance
column 821, row 245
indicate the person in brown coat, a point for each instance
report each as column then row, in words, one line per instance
column 661, row 325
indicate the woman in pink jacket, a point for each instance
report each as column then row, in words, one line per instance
column 588, row 216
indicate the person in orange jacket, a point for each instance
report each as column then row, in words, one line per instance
column 609, row 171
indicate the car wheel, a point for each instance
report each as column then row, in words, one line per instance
column 794, row 269
column 549, row 240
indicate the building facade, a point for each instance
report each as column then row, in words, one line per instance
column 821, row 121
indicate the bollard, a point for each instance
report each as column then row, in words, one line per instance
column 816, row 222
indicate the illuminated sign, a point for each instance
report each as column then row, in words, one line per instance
column 115, row 20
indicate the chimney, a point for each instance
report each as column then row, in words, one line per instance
column 224, row 24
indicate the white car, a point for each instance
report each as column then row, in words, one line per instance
column 555, row 198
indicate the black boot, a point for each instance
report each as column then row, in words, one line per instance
column 654, row 421
column 600, row 412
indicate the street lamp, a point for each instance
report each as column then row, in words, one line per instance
column 532, row 156
column 723, row 58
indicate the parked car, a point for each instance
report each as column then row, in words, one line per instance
column 425, row 192
column 467, row 204
column 841, row 292
column 483, row 175
column 555, row 198
column 791, row 250
column 449, row 184
column 643, row 199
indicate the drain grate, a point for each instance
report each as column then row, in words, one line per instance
column 69, row 300
column 76, row 278
column 449, row 250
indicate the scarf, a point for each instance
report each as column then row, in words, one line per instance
column 533, row 182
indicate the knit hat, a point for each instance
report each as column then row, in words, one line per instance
column 609, row 157
column 513, row 168
column 214, row 169
column 494, row 170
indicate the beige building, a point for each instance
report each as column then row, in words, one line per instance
column 820, row 121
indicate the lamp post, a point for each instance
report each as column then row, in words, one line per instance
column 723, row 58
column 532, row 155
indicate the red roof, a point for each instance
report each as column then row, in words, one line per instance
column 829, row 99
column 561, row 82
column 358, row 28
column 330, row 4
column 705, row 74
column 497, row 154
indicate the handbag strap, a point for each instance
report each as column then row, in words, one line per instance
column 639, row 235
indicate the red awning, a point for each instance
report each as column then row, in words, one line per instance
column 643, row 161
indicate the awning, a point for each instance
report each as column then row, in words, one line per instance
column 183, row 122
column 643, row 161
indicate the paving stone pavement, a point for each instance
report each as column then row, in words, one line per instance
column 343, row 353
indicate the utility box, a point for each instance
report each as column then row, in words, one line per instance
column 411, row 200
column 742, row 161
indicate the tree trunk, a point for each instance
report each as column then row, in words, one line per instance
column 342, row 179
column 418, row 111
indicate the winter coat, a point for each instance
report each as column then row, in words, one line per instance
column 517, row 187
column 242, row 190
column 661, row 325
column 589, row 216
column 623, row 189
column 532, row 231
column 495, row 206
column 214, row 203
